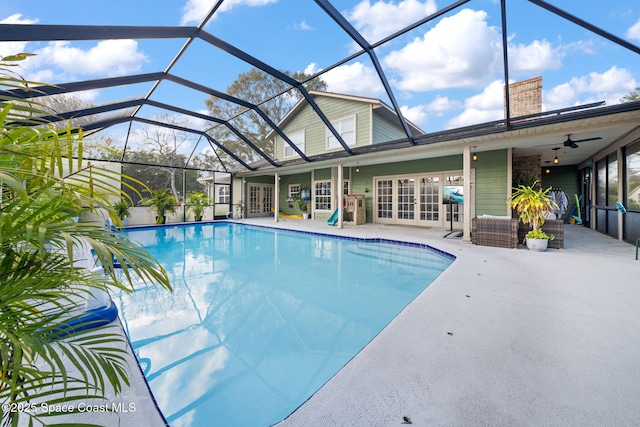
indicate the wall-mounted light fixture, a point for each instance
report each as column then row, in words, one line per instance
column 474, row 156
column 555, row 160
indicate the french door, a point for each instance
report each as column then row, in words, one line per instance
column 416, row 200
column 260, row 200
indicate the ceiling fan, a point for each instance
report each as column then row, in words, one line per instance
column 573, row 144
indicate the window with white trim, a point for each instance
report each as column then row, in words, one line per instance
column 346, row 128
column 224, row 195
column 298, row 139
column 294, row 191
column 322, row 195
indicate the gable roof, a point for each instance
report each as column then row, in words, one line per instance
column 378, row 106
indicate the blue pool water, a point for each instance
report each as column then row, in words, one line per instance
column 261, row 318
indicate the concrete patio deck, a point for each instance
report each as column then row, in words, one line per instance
column 504, row 337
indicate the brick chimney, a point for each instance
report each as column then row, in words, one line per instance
column 525, row 97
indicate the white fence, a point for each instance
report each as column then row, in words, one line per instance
column 143, row 215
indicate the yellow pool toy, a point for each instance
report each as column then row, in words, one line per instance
column 284, row 215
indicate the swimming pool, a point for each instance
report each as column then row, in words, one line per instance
column 261, row 318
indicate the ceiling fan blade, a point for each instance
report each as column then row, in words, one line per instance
column 588, row 139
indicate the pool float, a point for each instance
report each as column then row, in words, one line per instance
column 284, row 215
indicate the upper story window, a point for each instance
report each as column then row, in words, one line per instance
column 347, row 130
column 298, row 139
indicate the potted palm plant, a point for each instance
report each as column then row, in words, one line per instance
column 196, row 202
column 163, row 202
column 532, row 204
column 121, row 208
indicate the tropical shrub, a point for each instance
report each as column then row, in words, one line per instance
column 122, row 209
column 45, row 184
column 531, row 204
column 162, row 202
column 196, row 202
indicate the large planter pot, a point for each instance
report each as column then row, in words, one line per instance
column 538, row 245
column 305, row 215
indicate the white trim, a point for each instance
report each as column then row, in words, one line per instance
column 301, row 146
column 337, row 124
column 509, row 177
column 331, row 196
column 289, row 190
column 469, row 199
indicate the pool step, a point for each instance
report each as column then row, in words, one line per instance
column 396, row 255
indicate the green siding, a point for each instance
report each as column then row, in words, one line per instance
column 315, row 130
column 322, row 174
column 490, row 180
column 265, row 179
column 304, row 179
column 491, row 183
column 384, row 130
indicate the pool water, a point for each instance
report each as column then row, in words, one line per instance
column 261, row 318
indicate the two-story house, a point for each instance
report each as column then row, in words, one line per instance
column 441, row 179
column 412, row 191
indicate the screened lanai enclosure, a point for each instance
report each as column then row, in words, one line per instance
column 188, row 96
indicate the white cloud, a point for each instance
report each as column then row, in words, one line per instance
column 11, row 48
column 106, row 58
column 354, row 79
column 440, row 105
column 481, row 108
column 609, row 86
column 16, row 18
column 633, row 32
column 534, row 58
column 195, row 10
column 311, row 69
column 448, row 56
column 381, row 19
column 303, row 26
column 417, row 114
column 86, row 95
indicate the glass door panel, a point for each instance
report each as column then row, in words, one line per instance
column 384, row 199
column 429, row 206
column 406, row 204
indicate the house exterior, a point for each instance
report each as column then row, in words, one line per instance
column 405, row 192
column 442, row 179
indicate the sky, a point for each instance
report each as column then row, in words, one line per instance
column 444, row 74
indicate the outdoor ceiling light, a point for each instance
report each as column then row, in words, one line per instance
column 474, row 156
column 357, row 168
column 555, row 160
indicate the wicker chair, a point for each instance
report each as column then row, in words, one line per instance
column 494, row 231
